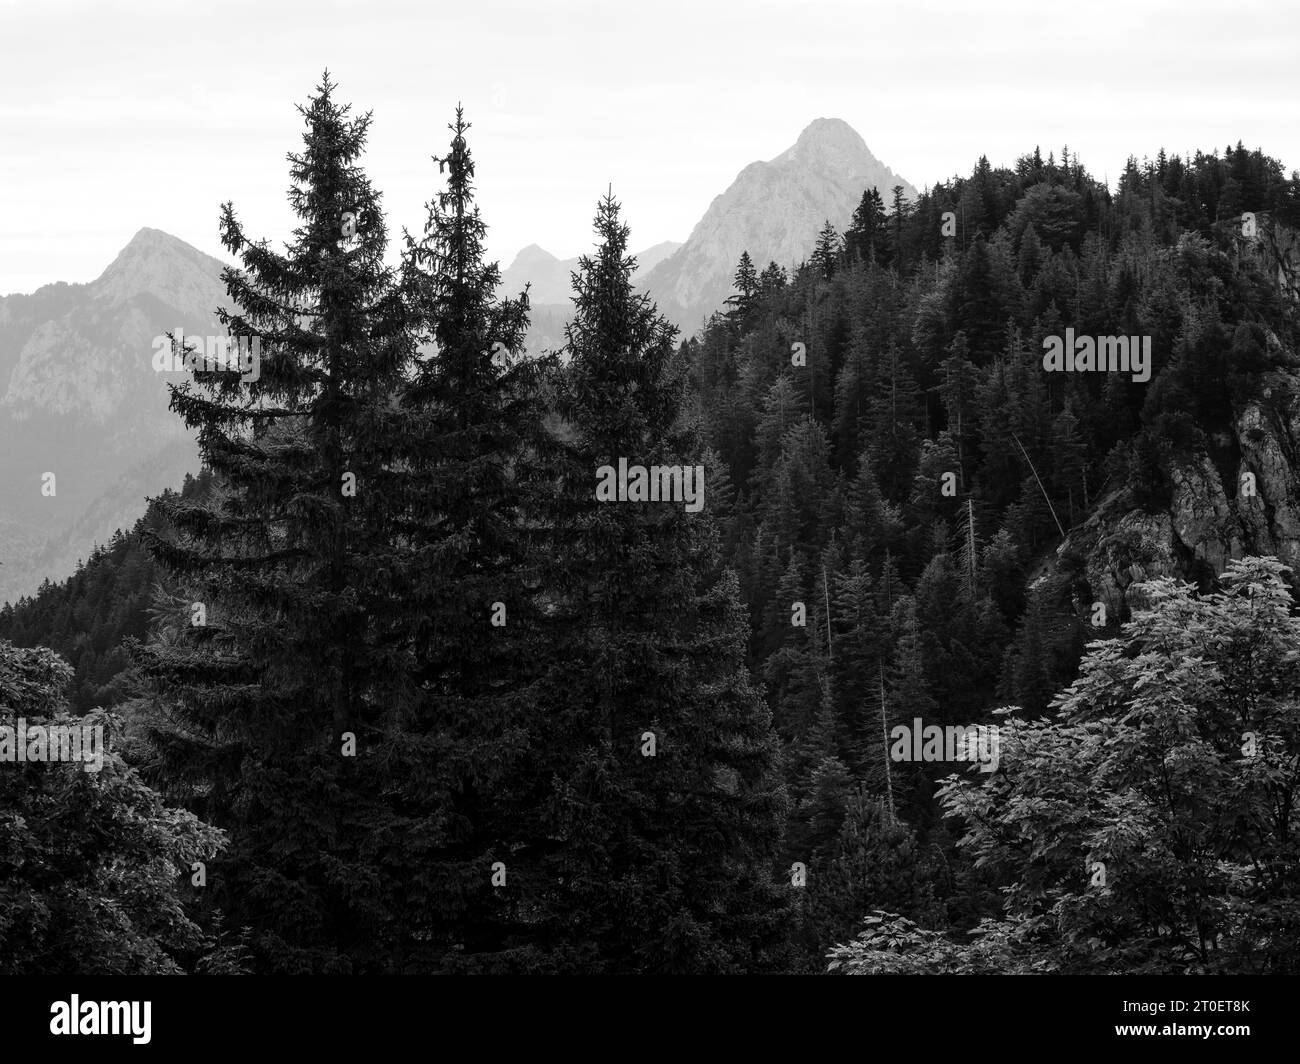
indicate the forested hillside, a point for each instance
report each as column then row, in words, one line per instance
column 902, row 473
column 87, row 618
column 449, row 710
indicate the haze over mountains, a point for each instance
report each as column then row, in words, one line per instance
column 551, row 288
column 79, row 396
column 821, row 177
column 550, row 277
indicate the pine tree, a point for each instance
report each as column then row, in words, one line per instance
column 747, row 287
column 899, row 211
column 909, row 698
column 773, row 279
column 465, row 756
column 864, row 238
column 891, row 427
column 670, row 858
column 854, row 385
column 282, row 665
column 826, row 254
column 961, row 635
column 959, row 381
column 937, row 471
column 872, row 525
column 781, row 412
column 861, row 648
column 1029, row 671
column 1069, row 465
column 1030, row 255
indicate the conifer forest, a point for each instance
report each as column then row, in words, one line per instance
column 886, row 581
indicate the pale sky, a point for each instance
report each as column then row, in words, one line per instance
column 115, row 116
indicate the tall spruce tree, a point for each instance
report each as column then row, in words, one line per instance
column 826, row 254
column 864, row 237
column 673, row 807
column 746, row 284
column 461, row 845
column 279, row 685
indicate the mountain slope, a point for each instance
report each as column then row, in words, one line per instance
column 774, row 211
column 80, row 398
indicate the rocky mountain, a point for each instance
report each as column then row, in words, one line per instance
column 821, row 177
column 546, row 275
column 80, row 398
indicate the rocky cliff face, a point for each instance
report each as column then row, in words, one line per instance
column 774, row 210
column 1212, row 516
column 1278, row 250
column 92, row 357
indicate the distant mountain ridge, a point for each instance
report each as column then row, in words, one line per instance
column 549, row 277
column 80, row 398
column 550, row 292
column 774, row 210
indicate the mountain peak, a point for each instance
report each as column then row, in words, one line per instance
column 833, row 146
column 774, row 210
column 534, row 253
column 834, row 129
column 149, row 237
column 157, row 262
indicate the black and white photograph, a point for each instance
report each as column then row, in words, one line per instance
column 795, row 488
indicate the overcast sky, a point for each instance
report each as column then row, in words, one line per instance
column 115, row 116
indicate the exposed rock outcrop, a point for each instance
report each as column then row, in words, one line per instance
column 1213, row 515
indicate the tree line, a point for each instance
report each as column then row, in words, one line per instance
column 413, row 700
